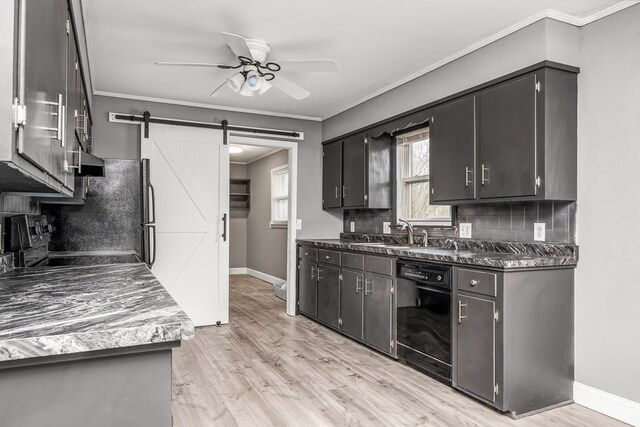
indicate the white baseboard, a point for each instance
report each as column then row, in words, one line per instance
column 257, row 274
column 606, row 403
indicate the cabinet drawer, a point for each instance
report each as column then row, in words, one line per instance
column 329, row 257
column 480, row 282
column 310, row 254
column 355, row 261
column 378, row 264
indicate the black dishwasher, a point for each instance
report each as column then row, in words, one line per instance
column 424, row 317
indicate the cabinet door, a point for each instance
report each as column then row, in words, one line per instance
column 71, row 142
column 351, row 292
column 307, row 284
column 332, row 175
column 508, row 139
column 328, row 295
column 354, row 171
column 476, row 336
column 377, row 312
column 452, row 135
column 45, row 51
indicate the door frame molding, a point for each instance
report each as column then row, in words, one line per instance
column 292, row 149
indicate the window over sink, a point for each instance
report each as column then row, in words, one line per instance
column 412, row 181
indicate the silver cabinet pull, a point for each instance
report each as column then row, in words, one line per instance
column 358, row 284
column 319, row 272
column 345, row 192
column 460, row 316
column 485, row 178
column 337, row 192
column 68, row 168
column 58, row 114
column 313, row 273
column 473, row 282
column 306, row 254
column 467, row 171
column 368, row 286
column 327, row 257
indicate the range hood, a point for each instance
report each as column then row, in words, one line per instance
column 90, row 165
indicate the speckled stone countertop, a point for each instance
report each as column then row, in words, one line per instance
column 65, row 310
column 496, row 255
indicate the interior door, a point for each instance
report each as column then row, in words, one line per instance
column 453, row 151
column 508, row 139
column 189, row 169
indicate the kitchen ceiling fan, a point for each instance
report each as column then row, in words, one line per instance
column 255, row 75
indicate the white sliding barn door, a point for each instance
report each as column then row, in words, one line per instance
column 190, row 173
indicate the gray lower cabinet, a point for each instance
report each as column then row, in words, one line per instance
column 476, row 346
column 513, row 337
column 307, row 288
column 328, row 295
column 377, row 312
column 351, row 294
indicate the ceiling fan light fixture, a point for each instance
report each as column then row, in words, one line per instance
column 254, row 80
column 236, row 82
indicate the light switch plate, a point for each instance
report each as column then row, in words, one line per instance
column 386, row 227
column 298, row 224
column 538, row 231
column 465, row 230
column 352, row 226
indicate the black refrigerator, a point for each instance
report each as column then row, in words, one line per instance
column 118, row 213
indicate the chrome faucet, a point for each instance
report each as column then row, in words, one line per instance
column 409, row 229
column 425, row 236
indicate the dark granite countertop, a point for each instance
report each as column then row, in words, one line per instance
column 496, row 255
column 66, row 310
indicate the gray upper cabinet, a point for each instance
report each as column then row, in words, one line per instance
column 514, row 140
column 332, row 175
column 508, row 139
column 41, row 58
column 452, row 134
column 353, row 171
column 45, row 51
column 359, row 174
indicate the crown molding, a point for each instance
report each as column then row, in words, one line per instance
column 203, row 105
column 548, row 13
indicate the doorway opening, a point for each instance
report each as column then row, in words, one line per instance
column 262, row 200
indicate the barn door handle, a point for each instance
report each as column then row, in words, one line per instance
column 224, row 227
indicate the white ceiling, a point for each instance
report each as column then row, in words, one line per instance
column 250, row 153
column 376, row 43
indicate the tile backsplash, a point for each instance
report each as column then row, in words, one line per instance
column 502, row 222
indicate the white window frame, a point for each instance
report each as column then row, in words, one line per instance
column 280, row 170
column 401, row 139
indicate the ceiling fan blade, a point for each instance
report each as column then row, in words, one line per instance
column 320, row 65
column 194, row 64
column 215, row 92
column 290, row 88
column 238, row 45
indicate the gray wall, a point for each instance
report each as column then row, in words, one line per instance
column 238, row 228
column 122, row 141
column 607, row 277
column 546, row 39
column 266, row 247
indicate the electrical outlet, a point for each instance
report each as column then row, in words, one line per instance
column 298, row 224
column 352, row 226
column 386, row 227
column 538, row 231
column 465, row 230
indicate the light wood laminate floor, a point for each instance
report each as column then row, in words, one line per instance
column 265, row 368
